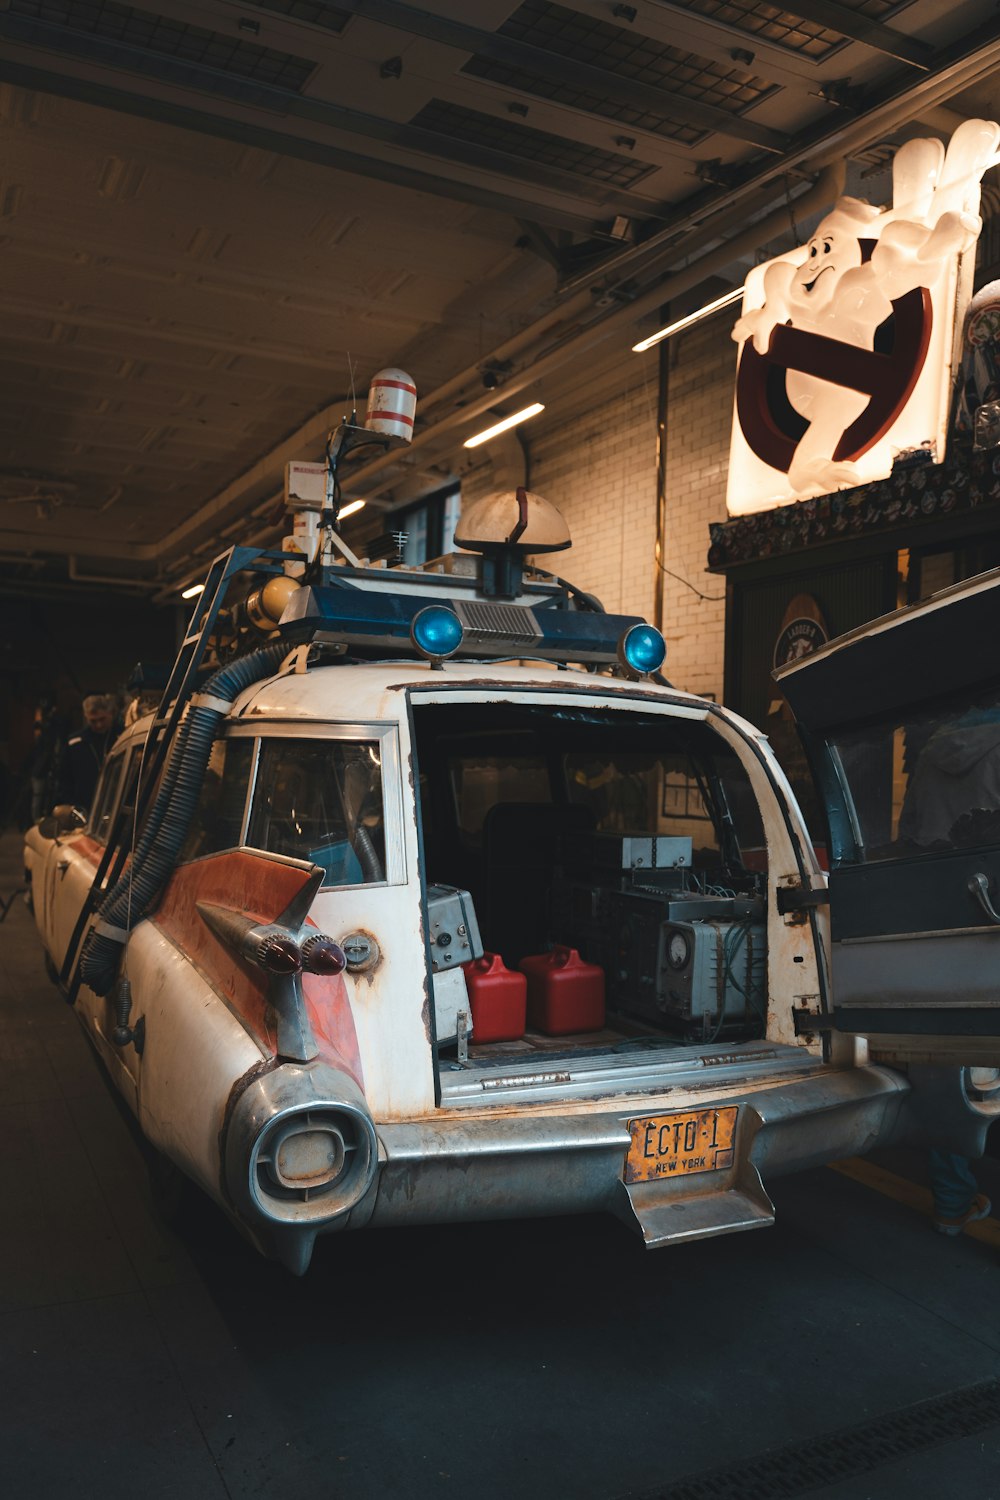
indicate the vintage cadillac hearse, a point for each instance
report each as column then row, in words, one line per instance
column 272, row 923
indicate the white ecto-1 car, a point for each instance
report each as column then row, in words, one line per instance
column 295, row 923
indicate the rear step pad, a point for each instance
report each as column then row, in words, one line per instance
column 662, row 1218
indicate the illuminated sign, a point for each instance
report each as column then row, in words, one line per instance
column 847, row 344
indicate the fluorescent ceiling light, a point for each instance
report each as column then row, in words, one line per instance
column 195, row 589
column 351, row 508
column 695, row 317
column 518, row 416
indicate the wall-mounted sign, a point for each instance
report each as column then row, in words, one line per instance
column 847, row 345
column 803, row 630
column 801, row 633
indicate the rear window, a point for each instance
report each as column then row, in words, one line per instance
column 597, row 769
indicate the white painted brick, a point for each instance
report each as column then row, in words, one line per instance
column 602, row 476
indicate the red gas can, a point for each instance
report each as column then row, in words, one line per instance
column 498, row 997
column 565, row 993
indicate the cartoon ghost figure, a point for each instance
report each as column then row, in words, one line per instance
column 844, row 292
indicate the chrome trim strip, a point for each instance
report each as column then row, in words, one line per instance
column 668, row 1066
column 311, row 729
column 911, row 937
column 635, row 699
column 251, row 788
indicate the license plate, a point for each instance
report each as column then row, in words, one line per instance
column 700, row 1140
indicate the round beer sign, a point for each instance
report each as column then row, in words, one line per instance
column 799, row 637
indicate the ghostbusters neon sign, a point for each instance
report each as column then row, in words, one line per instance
column 847, row 344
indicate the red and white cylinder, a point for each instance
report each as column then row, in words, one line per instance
column 392, row 402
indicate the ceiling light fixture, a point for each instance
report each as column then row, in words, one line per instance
column 703, row 312
column 498, row 427
column 351, row 508
column 193, row 591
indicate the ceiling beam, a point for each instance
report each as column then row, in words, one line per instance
column 857, row 27
column 314, row 110
column 562, row 69
column 343, row 156
column 901, row 100
column 976, row 58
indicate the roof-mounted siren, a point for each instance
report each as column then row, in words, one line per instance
column 392, row 404
column 505, row 528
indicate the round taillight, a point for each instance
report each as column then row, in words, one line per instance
column 280, row 955
column 321, row 955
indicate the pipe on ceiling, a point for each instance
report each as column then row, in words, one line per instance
column 143, row 585
column 919, row 100
column 707, row 222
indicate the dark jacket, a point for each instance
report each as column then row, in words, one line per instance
column 82, row 760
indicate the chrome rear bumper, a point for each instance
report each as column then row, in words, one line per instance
column 464, row 1166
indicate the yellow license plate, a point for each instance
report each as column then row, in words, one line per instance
column 700, row 1140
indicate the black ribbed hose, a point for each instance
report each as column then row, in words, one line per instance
column 169, row 819
column 371, row 865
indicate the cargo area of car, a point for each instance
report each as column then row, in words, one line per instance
column 616, row 858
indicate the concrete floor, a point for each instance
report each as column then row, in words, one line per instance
column 532, row 1359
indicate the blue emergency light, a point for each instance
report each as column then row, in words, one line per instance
column 363, row 613
column 642, row 650
column 436, row 632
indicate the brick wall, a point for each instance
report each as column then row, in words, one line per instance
column 701, row 376
column 599, row 467
column 600, row 470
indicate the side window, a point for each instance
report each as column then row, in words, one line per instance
column 321, row 800
column 923, row 782
column 106, row 797
column 218, row 820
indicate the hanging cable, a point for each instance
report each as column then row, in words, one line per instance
column 712, row 598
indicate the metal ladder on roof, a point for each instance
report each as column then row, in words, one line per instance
column 132, row 804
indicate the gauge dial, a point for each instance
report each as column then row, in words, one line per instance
column 678, row 949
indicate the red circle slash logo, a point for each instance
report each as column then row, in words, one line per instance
column 886, row 374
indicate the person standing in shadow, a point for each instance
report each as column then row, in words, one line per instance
column 86, row 752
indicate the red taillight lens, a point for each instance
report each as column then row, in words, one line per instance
column 280, row 955
column 321, row 955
